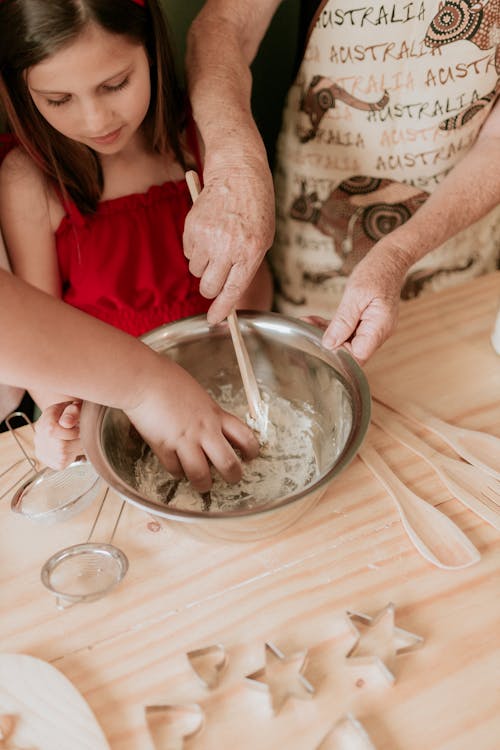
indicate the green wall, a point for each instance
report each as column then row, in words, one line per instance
column 272, row 69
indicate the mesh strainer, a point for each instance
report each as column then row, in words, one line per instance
column 57, row 495
column 50, row 495
column 85, row 572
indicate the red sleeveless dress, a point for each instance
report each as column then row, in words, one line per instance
column 125, row 263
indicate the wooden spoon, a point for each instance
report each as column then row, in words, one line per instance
column 256, row 407
column 432, row 533
column 476, row 447
column 474, row 488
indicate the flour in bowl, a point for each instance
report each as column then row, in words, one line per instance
column 286, row 463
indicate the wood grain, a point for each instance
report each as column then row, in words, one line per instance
column 129, row 650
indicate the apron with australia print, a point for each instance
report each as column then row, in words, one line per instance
column 387, row 99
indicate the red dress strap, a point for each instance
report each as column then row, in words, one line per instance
column 70, row 207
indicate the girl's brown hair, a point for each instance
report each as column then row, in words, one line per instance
column 30, row 31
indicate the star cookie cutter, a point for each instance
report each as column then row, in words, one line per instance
column 209, row 664
column 347, row 734
column 274, row 677
column 7, row 726
column 378, row 643
column 171, row 723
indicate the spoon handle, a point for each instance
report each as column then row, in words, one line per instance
column 255, row 405
column 469, row 484
column 409, row 409
column 478, row 448
column 387, row 421
column 383, row 473
column 246, row 370
column 435, row 536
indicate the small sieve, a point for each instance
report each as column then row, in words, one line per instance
column 57, row 495
column 49, row 495
column 85, row 572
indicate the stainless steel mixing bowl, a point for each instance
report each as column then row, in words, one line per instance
column 289, row 361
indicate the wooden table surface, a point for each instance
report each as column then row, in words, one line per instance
column 128, row 650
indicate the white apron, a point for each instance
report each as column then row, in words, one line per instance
column 388, row 98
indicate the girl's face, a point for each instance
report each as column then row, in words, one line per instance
column 96, row 90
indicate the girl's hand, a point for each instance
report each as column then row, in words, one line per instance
column 188, row 431
column 57, row 435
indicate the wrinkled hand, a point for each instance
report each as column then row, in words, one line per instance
column 188, row 431
column 229, row 229
column 57, row 435
column 368, row 311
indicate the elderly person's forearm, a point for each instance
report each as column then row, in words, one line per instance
column 467, row 193
column 221, row 44
column 229, row 230
column 367, row 313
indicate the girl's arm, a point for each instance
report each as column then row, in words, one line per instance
column 46, row 344
column 28, row 215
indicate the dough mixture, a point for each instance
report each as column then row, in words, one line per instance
column 286, row 463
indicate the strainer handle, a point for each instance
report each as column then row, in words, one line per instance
column 98, row 515
column 116, row 523
column 12, row 431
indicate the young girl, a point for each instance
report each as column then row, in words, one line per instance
column 93, row 199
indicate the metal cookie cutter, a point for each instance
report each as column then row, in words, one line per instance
column 7, row 726
column 276, row 680
column 346, row 734
column 209, row 664
column 381, row 641
column 173, row 723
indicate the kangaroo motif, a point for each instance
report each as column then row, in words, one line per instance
column 477, row 21
column 321, row 96
column 358, row 213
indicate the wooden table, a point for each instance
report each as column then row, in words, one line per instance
column 129, row 649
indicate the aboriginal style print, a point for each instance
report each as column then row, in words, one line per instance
column 478, row 22
column 389, row 97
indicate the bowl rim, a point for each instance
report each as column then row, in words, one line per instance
column 92, row 418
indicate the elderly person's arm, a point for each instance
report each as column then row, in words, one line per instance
column 231, row 226
column 367, row 313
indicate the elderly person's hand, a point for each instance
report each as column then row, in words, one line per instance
column 229, row 229
column 368, row 311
